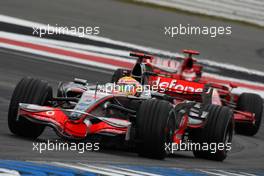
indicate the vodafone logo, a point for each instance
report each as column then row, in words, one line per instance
column 178, row 86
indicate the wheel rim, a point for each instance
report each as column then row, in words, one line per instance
column 170, row 129
column 228, row 135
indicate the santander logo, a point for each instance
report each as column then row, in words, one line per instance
column 178, row 86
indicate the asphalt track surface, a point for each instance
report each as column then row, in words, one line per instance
column 247, row 152
column 130, row 23
column 145, row 26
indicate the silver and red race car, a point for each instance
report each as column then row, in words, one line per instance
column 247, row 107
column 150, row 119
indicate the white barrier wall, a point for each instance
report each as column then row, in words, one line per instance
column 251, row 11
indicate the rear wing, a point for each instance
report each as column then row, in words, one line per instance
column 141, row 57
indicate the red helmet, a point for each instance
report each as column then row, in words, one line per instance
column 189, row 74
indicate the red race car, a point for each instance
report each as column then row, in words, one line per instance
column 247, row 107
column 151, row 120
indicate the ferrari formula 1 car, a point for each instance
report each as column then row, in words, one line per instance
column 151, row 120
column 247, row 107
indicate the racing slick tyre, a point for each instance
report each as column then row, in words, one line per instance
column 33, row 91
column 155, row 127
column 250, row 103
column 119, row 73
column 217, row 134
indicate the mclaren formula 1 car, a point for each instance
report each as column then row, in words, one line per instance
column 247, row 107
column 151, row 120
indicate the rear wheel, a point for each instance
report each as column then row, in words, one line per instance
column 32, row 91
column 119, row 73
column 155, row 127
column 216, row 134
column 249, row 103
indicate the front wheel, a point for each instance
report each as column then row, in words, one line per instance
column 216, row 136
column 155, row 127
column 32, row 91
column 253, row 103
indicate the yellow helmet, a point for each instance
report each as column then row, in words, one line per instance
column 127, row 86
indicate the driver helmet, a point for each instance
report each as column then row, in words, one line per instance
column 127, row 86
column 189, row 74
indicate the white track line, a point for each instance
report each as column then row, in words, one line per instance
column 100, row 172
column 119, row 171
column 71, row 64
column 107, row 66
column 134, row 171
column 70, row 46
column 58, row 56
column 212, row 173
column 8, row 172
column 229, row 173
column 225, row 173
column 31, row 24
column 247, row 174
column 79, row 47
column 27, row 23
